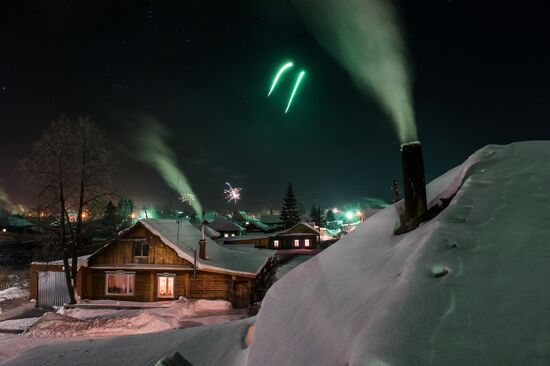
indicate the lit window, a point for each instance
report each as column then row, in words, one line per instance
column 166, row 286
column 247, row 223
column 276, row 243
column 296, row 242
column 233, row 234
column 226, row 235
column 4, row 230
column 119, row 283
column 306, row 243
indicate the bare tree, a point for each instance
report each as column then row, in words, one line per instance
column 68, row 174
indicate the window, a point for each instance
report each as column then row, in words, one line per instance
column 141, row 250
column 275, row 243
column 119, row 283
column 296, row 243
column 165, row 285
column 226, row 235
column 233, row 234
column 306, row 243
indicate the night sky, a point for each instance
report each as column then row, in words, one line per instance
column 203, row 69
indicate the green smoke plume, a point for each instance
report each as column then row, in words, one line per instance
column 153, row 149
column 5, row 202
column 364, row 36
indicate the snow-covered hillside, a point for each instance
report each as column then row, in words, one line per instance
column 374, row 298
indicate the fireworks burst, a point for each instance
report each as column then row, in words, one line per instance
column 187, row 197
column 232, row 194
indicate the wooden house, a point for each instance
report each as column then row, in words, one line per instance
column 255, row 226
column 300, row 236
column 227, row 228
column 157, row 260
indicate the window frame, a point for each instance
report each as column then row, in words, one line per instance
column 168, row 275
column 307, row 243
column 141, row 250
column 296, row 243
column 276, row 243
column 128, row 274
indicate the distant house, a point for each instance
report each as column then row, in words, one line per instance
column 211, row 233
column 14, row 224
column 255, row 226
column 150, row 262
column 227, row 228
column 272, row 221
column 300, row 236
column 240, row 217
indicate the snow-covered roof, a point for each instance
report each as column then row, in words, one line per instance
column 219, row 259
column 254, row 236
column 260, row 225
column 271, row 219
column 207, row 230
column 302, row 223
column 251, row 236
column 222, row 225
column 381, row 299
column 81, row 261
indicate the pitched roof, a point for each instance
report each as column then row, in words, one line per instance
column 220, row 259
column 13, row 221
column 208, row 231
column 271, row 219
column 260, row 225
column 286, row 232
column 225, row 225
column 303, row 224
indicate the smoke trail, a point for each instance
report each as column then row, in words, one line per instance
column 364, row 36
column 5, row 202
column 153, row 150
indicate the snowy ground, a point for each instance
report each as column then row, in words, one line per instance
column 13, row 293
column 466, row 288
column 93, row 323
column 14, row 297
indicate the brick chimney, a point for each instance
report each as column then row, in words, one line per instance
column 202, row 249
column 414, row 185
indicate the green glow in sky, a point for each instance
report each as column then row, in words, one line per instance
column 281, row 71
column 151, row 141
column 365, row 37
column 302, row 73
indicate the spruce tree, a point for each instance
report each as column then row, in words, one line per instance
column 313, row 214
column 110, row 219
column 316, row 215
column 330, row 216
column 289, row 212
column 125, row 208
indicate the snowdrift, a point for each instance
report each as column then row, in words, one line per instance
column 466, row 288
